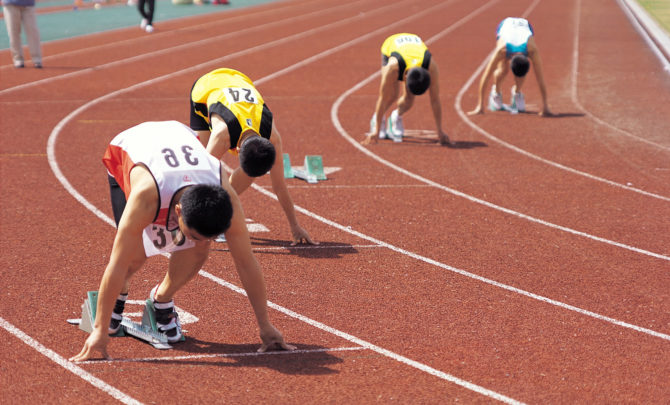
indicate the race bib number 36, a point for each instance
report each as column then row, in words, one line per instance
column 159, row 240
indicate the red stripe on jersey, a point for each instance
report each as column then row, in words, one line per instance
column 118, row 163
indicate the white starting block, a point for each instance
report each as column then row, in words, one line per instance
column 146, row 331
column 312, row 172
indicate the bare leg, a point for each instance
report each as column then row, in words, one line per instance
column 184, row 265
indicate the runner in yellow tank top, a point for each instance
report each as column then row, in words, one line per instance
column 229, row 114
column 405, row 58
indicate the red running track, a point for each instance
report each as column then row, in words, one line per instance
column 530, row 263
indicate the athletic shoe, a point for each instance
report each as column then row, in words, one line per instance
column 149, row 29
column 395, row 127
column 38, row 65
column 117, row 314
column 167, row 320
column 495, row 100
column 144, row 23
column 382, row 132
column 19, row 65
column 518, row 101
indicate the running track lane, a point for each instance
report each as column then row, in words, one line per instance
column 483, row 344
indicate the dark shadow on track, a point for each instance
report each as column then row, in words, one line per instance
column 324, row 250
column 313, row 362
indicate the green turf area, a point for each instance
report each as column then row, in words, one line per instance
column 659, row 10
column 71, row 23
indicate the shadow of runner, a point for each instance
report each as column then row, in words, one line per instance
column 305, row 360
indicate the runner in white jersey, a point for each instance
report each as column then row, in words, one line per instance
column 515, row 49
column 174, row 161
column 169, row 194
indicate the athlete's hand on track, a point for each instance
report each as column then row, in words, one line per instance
column 96, row 342
column 478, row 110
column 272, row 340
column 369, row 138
column 301, row 236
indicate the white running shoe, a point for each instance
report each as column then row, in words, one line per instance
column 149, row 29
column 495, row 100
column 518, row 101
column 167, row 319
column 382, row 132
column 396, row 128
column 144, row 23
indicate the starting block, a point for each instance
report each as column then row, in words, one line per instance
column 146, row 331
column 312, row 172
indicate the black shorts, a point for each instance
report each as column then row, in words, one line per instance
column 197, row 122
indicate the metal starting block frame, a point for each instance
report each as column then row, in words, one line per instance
column 146, row 331
column 313, row 169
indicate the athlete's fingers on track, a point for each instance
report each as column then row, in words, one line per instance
column 278, row 345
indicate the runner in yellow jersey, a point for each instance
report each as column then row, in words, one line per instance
column 405, row 58
column 229, row 114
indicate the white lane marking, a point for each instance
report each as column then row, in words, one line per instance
column 438, row 373
column 54, row 165
column 224, row 355
column 574, row 94
column 392, row 355
column 190, row 45
column 68, row 365
column 366, row 151
column 467, row 120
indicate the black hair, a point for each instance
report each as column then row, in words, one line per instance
column 519, row 65
column 257, row 155
column 206, row 208
column 418, row 80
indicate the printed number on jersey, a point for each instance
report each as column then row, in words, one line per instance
column 407, row 39
column 240, row 95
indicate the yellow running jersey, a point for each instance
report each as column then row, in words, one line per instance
column 409, row 49
column 232, row 95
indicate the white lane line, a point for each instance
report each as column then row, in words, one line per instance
column 54, row 165
column 657, row 40
column 66, row 364
column 223, row 355
column 574, row 93
column 145, row 38
column 72, row 191
column 387, row 353
column 473, row 276
column 366, row 151
column 206, row 41
column 467, row 120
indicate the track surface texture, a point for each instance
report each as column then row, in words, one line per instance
column 529, row 263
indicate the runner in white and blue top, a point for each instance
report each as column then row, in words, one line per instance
column 515, row 32
column 515, row 50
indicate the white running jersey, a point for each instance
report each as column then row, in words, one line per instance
column 515, row 32
column 176, row 159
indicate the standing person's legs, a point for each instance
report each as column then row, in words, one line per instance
column 13, row 21
column 140, row 8
column 150, row 12
column 32, row 35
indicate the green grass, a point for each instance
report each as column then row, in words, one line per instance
column 659, row 10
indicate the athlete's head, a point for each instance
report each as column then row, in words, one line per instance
column 418, row 80
column 257, row 155
column 519, row 65
column 206, row 209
